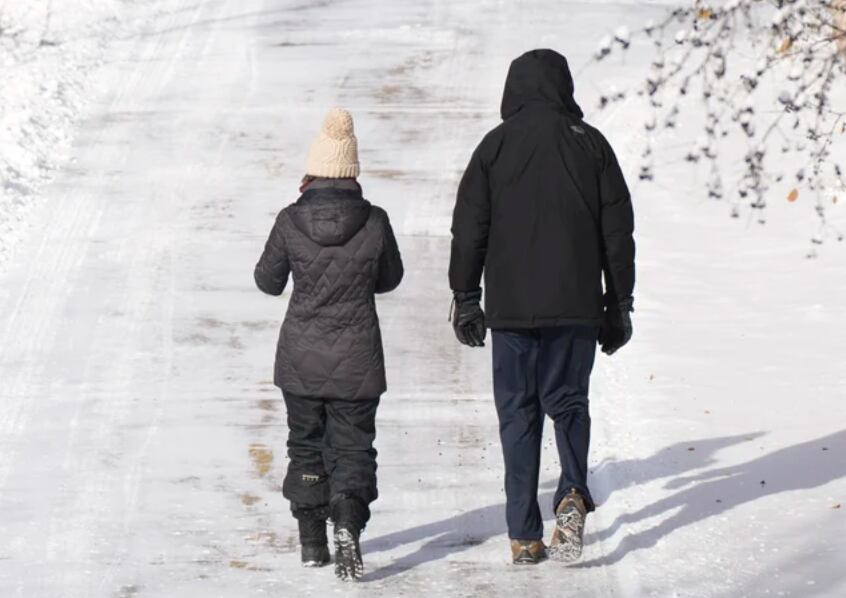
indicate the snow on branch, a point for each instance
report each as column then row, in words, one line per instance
column 767, row 72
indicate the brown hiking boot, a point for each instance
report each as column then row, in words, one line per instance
column 567, row 536
column 527, row 552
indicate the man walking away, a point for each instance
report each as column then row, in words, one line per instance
column 543, row 210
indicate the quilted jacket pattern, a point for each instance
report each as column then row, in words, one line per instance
column 340, row 251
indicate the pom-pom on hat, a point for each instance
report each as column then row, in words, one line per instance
column 334, row 154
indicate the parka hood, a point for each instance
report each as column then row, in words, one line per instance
column 539, row 76
column 330, row 217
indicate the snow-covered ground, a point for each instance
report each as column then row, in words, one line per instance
column 142, row 443
column 50, row 53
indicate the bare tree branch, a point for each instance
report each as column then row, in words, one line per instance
column 798, row 50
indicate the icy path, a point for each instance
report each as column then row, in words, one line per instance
column 142, row 444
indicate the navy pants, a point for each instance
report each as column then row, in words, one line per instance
column 330, row 444
column 538, row 372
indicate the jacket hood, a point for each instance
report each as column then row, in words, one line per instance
column 330, row 217
column 539, row 76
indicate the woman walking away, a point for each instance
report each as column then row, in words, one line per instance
column 340, row 251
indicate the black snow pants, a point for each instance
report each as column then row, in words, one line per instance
column 540, row 372
column 332, row 468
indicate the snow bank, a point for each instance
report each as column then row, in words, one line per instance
column 49, row 52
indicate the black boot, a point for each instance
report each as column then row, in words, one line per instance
column 314, row 546
column 349, row 514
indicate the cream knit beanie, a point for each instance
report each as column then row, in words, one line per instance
column 334, row 154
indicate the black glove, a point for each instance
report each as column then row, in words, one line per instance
column 468, row 319
column 616, row 330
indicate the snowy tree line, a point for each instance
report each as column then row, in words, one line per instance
column 769, row 72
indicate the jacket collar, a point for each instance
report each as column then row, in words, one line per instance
column 339, row 184
column 331, row 189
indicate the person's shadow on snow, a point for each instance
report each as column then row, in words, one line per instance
column 442, row 538
column 713, row 492
column 472, row 528
column 672, row 461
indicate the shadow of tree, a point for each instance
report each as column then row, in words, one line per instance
column 716, row 491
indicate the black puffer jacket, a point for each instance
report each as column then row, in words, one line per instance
column 341, row 250
column 543, row 208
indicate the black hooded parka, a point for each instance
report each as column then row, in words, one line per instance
column 543, row 209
